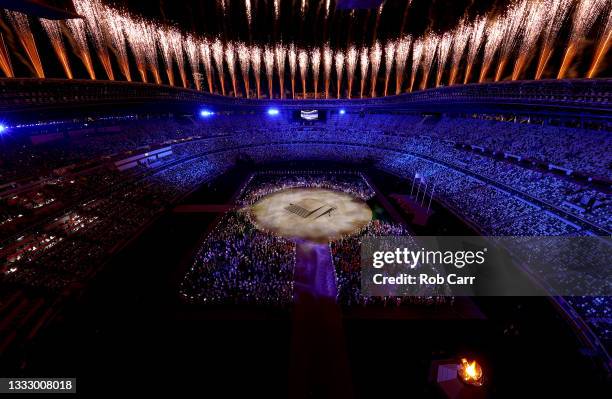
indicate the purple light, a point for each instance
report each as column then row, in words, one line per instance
column 206, row 113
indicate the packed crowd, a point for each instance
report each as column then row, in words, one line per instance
column 239, row 264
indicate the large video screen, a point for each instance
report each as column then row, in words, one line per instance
column 310, row 115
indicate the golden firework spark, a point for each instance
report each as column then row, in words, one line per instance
column 303, row 64
column 444, row 46
column 461, row 36
column 364, row 64
column 192, row 48
column 513, row 23
column 339, row 61
column 292, row 58
column 389, row 59
column 476, row 35
column 375, row 58
column 315, row 60
column 54, row 32
column 328, row 57
column 114, row 28
column 244, row 57
column 256, row 65
column 80, row 45
column 603, row 45
column 537, row 16
column 351, row 65
column 494, row 34
column 268, row 56
column 205, row 55
column 430, row 45
column 401, row 56
column 280, row 54
column 93, row 13
column 5, row 61
column 21, row 24
column 163, row 39
column 558, row 10
column 217, row 55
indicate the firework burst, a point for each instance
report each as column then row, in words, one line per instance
column 303, row 64
column 444, row 46
column 135, row 34
column 92, row 12
column 494, row 34
column 54, row 32
column 192, row 48
column 292, row 58
column 351, row 65
column 163, row 39
column 514, row 25
column 375, row 58
column 401, row 56
column 80, row 45
column 5, row 61
column 217, row 55
column 585, row 16
column 389, row 59
column 315, row 60
column 280, row 54
column 602, row 47
column 21, row 24
column 558, row 10
column 205, row 56
column 430, row 45
column 230, row 60
column 328, row 57
column 364, row 64
column 268, row 56
column 537, row 15
column 339, row 59
column 417, row 55
column 256, row 65
column 176, row 43
column 244, row 58
column 461, row 36
column 118, row 44
column 476, row 35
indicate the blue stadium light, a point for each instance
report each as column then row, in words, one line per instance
column 273, row 111
column 205, row 113
column 342, row 112
column 3, row 128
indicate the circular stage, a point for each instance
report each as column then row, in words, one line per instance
column 314, row 214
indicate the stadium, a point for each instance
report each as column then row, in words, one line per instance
column 190, row 195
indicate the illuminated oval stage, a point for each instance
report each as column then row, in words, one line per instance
column 314, row 214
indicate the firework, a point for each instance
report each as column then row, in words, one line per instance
column 244, row 57
column 315, row 59
column 444, row 46
column 114, row 29
column 217, row 55
column 149, row 38
column 5, row 61
column 364, row 63
column 339, row 58
column 256, row 65
column 351, row 65
column 176, row 43
column 223, row 6
column 430, row 46
column 134, row 32
column 494, row 34
column 192, row 48
column 303, row 7
column 585, row 16
column 514, row 24
column 417, row 54
column 558, row 10
column 401, row 56
column 375, row 58
column 292, row 58
column 163, row 39
column 79, row 43
column 249, row 13
column 53, row 29
column 537, row 15
column 277, row 10
column 92, row 12
column 461, row 37
column 26, row 38
column 268, row 56
column 230, row 60
column 303, row 63
column 280, row 54
column 476, row 35
column 602, row 47
column 389, row 58
column 206, row 60
column 328, row 57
